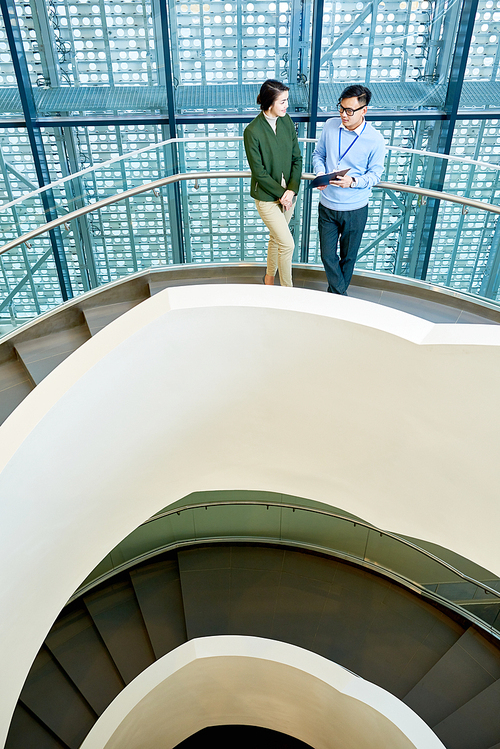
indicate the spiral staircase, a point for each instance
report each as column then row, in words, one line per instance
column 440, row 661
column 437, row 662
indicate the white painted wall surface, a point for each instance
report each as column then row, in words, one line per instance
column 387, row 416
column 235, row 680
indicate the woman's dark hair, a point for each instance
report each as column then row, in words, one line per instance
column 269, row 92
column 361, row 93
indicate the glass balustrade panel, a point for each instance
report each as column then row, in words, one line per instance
column 463, row 254
column 322, row 532
column 28, row 280
column 390, row 554
column 220, row 221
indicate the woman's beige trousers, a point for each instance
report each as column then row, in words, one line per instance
column 281, row 244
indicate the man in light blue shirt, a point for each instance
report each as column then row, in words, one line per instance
column 347, row 143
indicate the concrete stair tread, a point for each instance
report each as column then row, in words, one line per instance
column 472, row 726
column 51, row 696
column 466, row 669
column 118, row 618
column 15, row 384
column 41, row 355
column 76, row 644
column 98, row 317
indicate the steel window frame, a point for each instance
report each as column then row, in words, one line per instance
column 449, row 117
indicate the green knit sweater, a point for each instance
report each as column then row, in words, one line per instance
column 271, row 155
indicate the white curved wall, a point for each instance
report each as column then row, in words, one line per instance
column 235, row 680
column 243, row 387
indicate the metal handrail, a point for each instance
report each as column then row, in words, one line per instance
column 215, row 139
column 327, row 513
column 356, row 559
column 225, row 175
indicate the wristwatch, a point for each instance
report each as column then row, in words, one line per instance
column 354, row 182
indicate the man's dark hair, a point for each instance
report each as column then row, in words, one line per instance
column 269, row 92
column 362, row 94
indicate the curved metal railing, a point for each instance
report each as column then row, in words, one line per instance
column 189, row 176
column 122, row 215
column 98, row 166
column 365, row 544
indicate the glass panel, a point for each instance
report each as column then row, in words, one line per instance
column 316, row 530
column 461, row 248
column 100, row 247
column 17, row 170
column 222, row 51
column 217, row 45
column 135, row 234
column 466, row 240
column 324, row 532
column 221, row 221
column 75, row 50
column 215, row 211
column 390, row 46
column 28, row 280
column 482, row 71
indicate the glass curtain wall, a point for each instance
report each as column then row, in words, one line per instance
column 97, row 80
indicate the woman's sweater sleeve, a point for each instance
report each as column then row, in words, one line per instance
column 257, row 167
column 296, row 173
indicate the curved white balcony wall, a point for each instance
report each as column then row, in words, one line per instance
column 383, row 414
column 234, row 680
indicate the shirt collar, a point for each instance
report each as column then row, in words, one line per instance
column 358, row 130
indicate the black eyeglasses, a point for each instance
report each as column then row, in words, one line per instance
column 349, row 112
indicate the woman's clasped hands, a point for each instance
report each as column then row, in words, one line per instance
column 286, row 199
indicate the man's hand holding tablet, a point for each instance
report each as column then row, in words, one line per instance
column 323, row 180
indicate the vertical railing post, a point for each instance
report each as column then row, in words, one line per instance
column 173, row 191
column 317, row 29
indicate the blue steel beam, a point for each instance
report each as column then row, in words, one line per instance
column 317, row 30
column 15, row 41
column 173, row 191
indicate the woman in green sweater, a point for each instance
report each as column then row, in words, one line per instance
column 275, row 161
